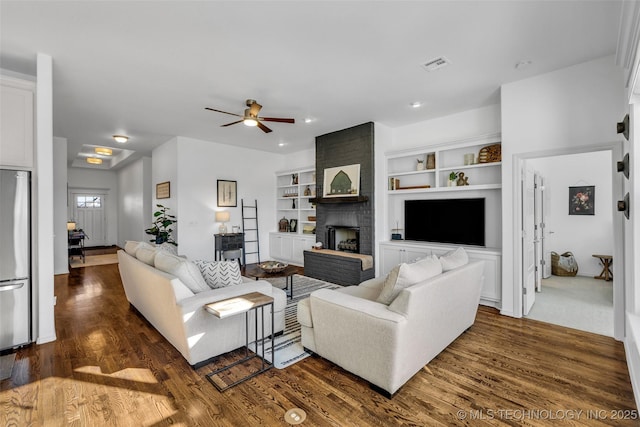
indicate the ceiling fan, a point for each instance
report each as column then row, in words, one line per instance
column 251, row 118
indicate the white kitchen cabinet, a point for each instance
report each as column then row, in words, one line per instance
column 16, row 122
column 394, row 252
column 290, row 247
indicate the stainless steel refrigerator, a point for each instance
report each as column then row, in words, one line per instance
column 15, row 258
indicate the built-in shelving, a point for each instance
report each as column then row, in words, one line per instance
column 296, row 190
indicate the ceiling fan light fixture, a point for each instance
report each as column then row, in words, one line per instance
column 94, row 161
column 121, row 138
column 250, row 122
column 104, row 151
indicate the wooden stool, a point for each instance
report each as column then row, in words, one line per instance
column 606, row 261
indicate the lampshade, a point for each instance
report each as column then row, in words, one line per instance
column 223, row 216
column 71, row 225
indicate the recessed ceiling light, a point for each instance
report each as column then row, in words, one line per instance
column 104, row 151
column 416, row 104
column 121, row 138
column 282, row 144
column 94, row 160
column 523, row 64
column 308, row 120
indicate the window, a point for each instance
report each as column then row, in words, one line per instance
column 88, row 201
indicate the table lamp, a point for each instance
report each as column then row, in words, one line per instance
column 71, row 226
column 222, row 217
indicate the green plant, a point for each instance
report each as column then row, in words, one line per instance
column 453, row 176
column 160, row 227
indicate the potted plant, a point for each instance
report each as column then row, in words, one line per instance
column 160, row 228
column 452, row 179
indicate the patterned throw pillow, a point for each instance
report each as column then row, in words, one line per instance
column 220, row 274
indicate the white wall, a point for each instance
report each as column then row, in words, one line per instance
column 572, row 109
column 134, row 207
column 60, row 244
column 164, row 168
column 103, row 180
column 583, row 235
column 194, row 166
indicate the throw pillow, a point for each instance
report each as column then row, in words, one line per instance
column 405, row 275
column 131, row 246
column 454, row 259
column 183, row 269
column 220, row 274
column 168, row 247
column 146, row 253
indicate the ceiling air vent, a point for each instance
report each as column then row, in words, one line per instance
column 436, row 63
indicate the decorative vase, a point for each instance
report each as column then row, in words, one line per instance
column 283, row 225
column 431, row 161
column 420, row 165
column 293, row 204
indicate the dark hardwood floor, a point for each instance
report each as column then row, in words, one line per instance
column 110, row 367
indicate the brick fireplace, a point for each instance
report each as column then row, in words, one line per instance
column 344, row 219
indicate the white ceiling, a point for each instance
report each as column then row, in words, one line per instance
column 148, row 69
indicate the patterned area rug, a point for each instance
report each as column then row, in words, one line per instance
column 289, row 349
column 91, row 260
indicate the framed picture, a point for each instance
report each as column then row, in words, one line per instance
column 163, row 190
column 342, row 181
column 582, row 200
column 227, row 193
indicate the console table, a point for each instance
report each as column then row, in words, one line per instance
column 228, row 242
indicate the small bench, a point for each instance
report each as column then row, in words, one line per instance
column 606, row 273
column 342, row 268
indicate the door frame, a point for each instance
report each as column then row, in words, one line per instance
column 519, row 163
column 104, row 192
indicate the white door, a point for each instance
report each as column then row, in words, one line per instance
column 528, row 241
column 88, row 212
column 539, row 228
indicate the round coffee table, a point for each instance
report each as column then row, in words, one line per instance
column 255, row 271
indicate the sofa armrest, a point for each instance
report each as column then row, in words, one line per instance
column 348, row 305
column 375, row 283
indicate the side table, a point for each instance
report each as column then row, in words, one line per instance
column 255, row 301
column 287, row 273
column 606, row 273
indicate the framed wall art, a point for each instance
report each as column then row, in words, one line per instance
column 342, row 181
column 582, row 200
column 163, row 190
column 227, row 193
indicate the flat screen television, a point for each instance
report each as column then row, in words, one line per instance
column 460, row 221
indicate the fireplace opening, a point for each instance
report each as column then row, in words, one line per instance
column 346, row 239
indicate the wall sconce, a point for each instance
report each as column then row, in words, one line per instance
column 623, row 205
column 222, row 217
column 623, row 127
column 623, row 166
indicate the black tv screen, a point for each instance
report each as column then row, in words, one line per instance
column 459, row 221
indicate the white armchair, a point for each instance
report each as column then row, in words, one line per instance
column 387, row 344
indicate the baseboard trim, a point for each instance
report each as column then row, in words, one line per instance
column 632, row 353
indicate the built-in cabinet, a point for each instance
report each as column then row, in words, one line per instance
column 393, row 253
column 16, row 122
column 290, row 247
column 295, row 189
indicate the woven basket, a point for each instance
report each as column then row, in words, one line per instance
column 557, row 270
column 490, row 154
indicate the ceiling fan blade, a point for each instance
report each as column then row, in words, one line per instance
column 220, row 111
column 264, row 128
column 254, row 108
column 232, row 123
column 277, row 119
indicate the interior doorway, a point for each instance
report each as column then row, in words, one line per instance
column 580, row 302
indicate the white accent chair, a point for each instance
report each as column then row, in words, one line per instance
column 388, row 344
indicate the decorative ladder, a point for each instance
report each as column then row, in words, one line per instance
column 250, row 230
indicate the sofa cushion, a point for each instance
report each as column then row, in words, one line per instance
column 220, row 274
column 183, row 269
column 454, row 259
column 168, row 247
column 131, row 246
column 146, row 253
column 405, row 275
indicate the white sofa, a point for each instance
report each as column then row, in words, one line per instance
column 179, row 315
column 387, row 344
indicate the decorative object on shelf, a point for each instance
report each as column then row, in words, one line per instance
column 624, row 205
column 235, row 229
column 283, row 225
column 317, row 245
column 469, row 159
column 308, row 229
column 453, row 176
column 160, row 228
column 623, row 166
column 227, row 193
column 420, row 164
column 395, row 232
column 311, row 217
column 582, row 200
column 163, row 190
column 431, row 161
column 623, row 127
column 273, row 266
column 307, row 191
column 490, row 154
column 290, row 192
column 222, row 217
column 293, row 225
column 462, row 180
column 294, row 179
column 342, row 181
column 293, row 203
